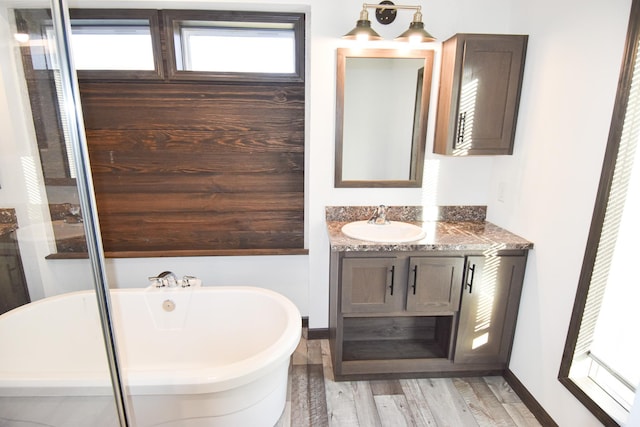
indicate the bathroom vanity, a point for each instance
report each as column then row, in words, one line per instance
column 443, row 305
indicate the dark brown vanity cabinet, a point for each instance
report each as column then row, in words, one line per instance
column 480, row 84
column 383, row 285
column 13, row 285
column 409, row 313
column 489, row 308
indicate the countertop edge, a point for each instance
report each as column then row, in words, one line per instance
column 442, row 236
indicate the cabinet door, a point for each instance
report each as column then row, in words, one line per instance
column 434, row 284
column 479, row 94
column 13, row 286
column 489, row 308
column 370, row 285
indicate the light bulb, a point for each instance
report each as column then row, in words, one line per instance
column 21, row 37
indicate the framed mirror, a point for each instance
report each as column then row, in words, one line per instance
column 382, row 106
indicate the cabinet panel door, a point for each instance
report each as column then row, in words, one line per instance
column 434, row 284
column 481, row 80
column 13, row 286
column 490, row 300
column 491, row 77
column 370, row 285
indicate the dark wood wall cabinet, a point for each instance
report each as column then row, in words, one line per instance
column 480, row 84
column 398, row 314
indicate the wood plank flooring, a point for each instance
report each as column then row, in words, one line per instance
column 315, row 400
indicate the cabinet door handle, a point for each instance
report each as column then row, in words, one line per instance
column 393, row 273
column 415, row 279
column 470, row 273
column 462, row 118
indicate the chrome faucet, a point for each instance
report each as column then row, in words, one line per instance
column 379, row 217
column 165, row 279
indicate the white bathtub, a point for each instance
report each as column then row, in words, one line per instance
column 219, row 358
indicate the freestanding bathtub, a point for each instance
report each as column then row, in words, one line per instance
column 199, row 356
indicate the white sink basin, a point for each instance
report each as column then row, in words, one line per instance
column 394, row 232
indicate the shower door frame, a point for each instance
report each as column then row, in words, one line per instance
column 71, row 96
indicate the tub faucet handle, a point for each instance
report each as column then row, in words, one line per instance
column 156, row 282
column 188, row 281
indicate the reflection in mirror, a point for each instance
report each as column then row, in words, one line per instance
column 381, row 120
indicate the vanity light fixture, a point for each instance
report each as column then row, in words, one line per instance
column 386, row 13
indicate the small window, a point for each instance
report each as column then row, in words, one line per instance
column 105, row 44
column 224, row 48
column 246, row 46
column 117, row 45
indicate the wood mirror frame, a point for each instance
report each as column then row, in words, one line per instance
column 414, row 124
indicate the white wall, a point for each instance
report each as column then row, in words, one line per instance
column 548, row 186
column 551, row 181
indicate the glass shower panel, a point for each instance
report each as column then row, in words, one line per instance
column 54, row 368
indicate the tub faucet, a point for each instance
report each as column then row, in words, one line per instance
column 164, row 279
column 379, row 217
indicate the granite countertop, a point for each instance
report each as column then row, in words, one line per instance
column 7, row 228
column 468, row 231
column 8, row 221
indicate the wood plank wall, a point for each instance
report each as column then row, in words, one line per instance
column 183, row 163
column 197, row 168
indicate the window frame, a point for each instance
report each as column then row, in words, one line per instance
column 125, row 14
column 171, row 18
column 597, row 405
